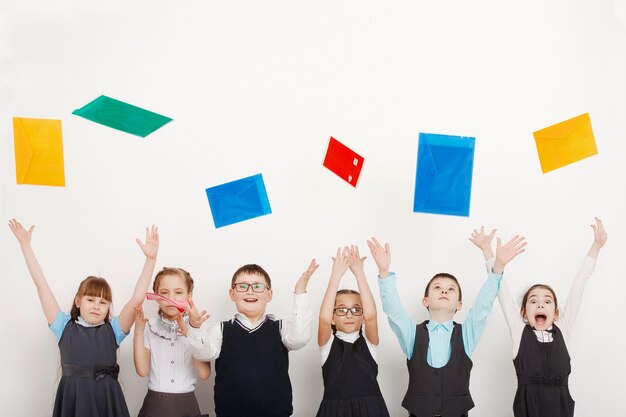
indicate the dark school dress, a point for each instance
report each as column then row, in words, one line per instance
column 542, row 373
column 350, row 385
column 252, row 372
column 438, row 391
column 89, row 384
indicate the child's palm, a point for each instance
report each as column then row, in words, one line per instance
column 151, row 247
column 482, row 239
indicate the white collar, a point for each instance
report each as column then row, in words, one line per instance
column 80, row 320
column 347, row 337
column 165, row 328
column 248, row 324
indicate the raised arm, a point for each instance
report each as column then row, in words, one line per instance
column 367, row 299
column 150, row 249
column 141, row 354
column 341, row 262
column 483, row 241
column 46, row 297
column 297, row 332
column 399, row 320
column 568, row 315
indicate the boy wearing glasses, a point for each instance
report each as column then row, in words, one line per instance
column 438, row 350
column 251, row 349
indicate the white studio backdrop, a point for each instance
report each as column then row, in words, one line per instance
column 259, row 87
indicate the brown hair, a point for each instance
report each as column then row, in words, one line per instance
column 167, row 271
column 527, row 293
column 94, row 287
column 444, row 275
column 252, row 269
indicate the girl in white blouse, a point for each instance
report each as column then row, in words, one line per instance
column 540, row 355
column 163, row 354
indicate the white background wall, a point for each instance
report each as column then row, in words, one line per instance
column 259, row 86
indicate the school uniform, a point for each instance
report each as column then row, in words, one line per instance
column 88, row 385
column 349, row 371
column 540, row 357
column 172, row 377
column 251, row 360
column 438, row 344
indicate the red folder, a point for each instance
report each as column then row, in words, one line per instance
column 343, row 161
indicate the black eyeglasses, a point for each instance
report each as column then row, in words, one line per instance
column 342, row 311
column 243, row 287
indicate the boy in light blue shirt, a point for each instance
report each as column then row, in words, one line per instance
column 438, row 350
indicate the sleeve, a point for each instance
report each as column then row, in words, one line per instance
column 325, row 350
column 372, row 348
column 476, row 320
column 398, row 318
column 146, row 336
column 59, row 323
column 205, row 342
column 117, row 329
column 568, row 314
column 512, row 315
column 296, row 333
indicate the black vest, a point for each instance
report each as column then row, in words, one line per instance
column 438, row 391
column 252, row 372
column 542, row 377
column 350, row 381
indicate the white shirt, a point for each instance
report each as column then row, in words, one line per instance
column 350, row 338
column 172, row 369
column 567, row 314
column 206, row 342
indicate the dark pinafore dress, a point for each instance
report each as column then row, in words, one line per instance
column 350, row 385
column 89, row 387
column 542, row 373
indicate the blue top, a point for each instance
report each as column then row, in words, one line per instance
column 439, row 333
column 61, row 320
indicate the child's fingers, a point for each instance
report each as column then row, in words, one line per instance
column 378, row 245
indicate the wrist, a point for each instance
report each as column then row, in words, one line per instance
column 383, row 273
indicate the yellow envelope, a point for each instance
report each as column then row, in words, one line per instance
column 38, row 151
column 565, row 143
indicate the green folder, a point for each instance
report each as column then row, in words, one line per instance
column 122, row 116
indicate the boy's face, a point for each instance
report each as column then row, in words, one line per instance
column 540, row 311
column 250, row 303
column 443, row 294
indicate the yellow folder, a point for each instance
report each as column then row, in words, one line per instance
column 565, row 143
column 38, row 151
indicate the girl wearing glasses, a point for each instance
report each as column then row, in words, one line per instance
column 349, row 366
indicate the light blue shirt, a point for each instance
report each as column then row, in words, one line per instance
column 439, row 333
column 61, row 320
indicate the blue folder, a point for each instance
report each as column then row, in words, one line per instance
column 239, row 200
column 443, row 182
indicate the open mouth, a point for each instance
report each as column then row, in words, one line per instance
column 250, row 300
column 541, row 319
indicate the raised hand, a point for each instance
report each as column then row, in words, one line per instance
column 151, row 247
column 304, row 278
column 505, row 253
column 140, row 321
column 22, row 235
column 356, row 263
column 381, row 255
column 341, row 262
column 195, row 318
column 599, row 238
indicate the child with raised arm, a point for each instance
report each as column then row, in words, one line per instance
column 163, row 354
column 88, row 337
column 251, row 349
column 349, row 366
column 540, row 355
column 439, row 350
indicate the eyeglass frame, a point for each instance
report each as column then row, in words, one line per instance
column 351, row 310
column 265, row 287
